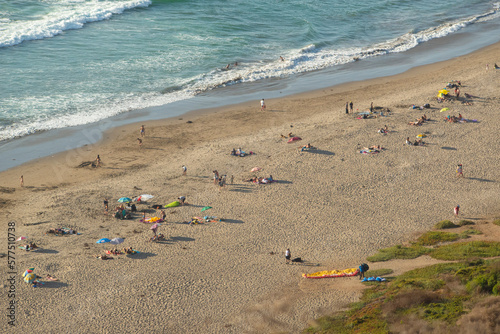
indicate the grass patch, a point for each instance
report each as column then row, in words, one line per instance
column 496, row 222
column 464, row 222
column 444, row 224
column 465, row 234
column 379, row 272
column 432, row 238
column 466, row 250
column 398, row 252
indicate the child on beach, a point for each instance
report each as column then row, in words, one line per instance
column 21, row 180
column 460, row 171
column 288, row 256
column 184, row 170
column 139, row 140
column 262, row 105
column 456, row 209
column 143, row 131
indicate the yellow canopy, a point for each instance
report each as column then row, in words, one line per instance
column 443, row 91
column 444, row 109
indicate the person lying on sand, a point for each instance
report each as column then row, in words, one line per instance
column 373, row 147
column 51, row 278
column 417, row 122
column 307, row 147
column 104, row 257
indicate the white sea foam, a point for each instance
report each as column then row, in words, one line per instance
column 67, row 15
column 95, row 108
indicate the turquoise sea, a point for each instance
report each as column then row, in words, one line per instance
column 65, row 63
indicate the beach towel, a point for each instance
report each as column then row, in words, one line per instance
column 369, row 151
column 151, row 220
column 333, row 273
column 173, row 204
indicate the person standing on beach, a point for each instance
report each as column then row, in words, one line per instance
column 347, row 107
column 460, row 172
column 371, row 107
column 184, row 170
column 216, row 176
column 182, row 200
column 262, row 105
column 288, row 256
column 98, row 161
column 21, row 181
column 143, row 131
column 456, row 209
column 352, row 106
column 105, row 206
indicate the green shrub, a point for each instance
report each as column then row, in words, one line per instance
column 496, row 222
column 464, row 222
column 444, row 224
column 487, row 283
column 431, row 238
column 398, row 252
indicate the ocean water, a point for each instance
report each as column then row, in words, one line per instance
column 65, row 63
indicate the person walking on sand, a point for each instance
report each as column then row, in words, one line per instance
column 143, row 131
column 105, row 206
column 347, row 107
column 460, row 172
column 216, row 176
column 288, row 256
column 262, row 105
column 184, row 170
column 352, row 106
column 139, row 140
column 456, row 209
column 21, row 181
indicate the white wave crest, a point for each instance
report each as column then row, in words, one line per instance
column 66, row 16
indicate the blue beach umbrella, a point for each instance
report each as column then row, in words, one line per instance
column 102, row 241
column 125, row 200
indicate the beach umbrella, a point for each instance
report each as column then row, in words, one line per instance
column 291, row 140
column 29, row 277
column 206, row 208
column 125, row 200
column 443, row 91
column 444, row 109
column 21, row 238
column 116, row 241
column 102, row 241
column 256, row 169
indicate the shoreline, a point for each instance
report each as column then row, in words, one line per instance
column 332, row 207
column 48, row 143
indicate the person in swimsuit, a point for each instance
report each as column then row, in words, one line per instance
column 288, row 256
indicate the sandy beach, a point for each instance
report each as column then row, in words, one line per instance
column 331, row 206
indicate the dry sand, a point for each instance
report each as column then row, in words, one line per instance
column 332, row 207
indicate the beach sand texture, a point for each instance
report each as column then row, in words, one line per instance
column 332, row 207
